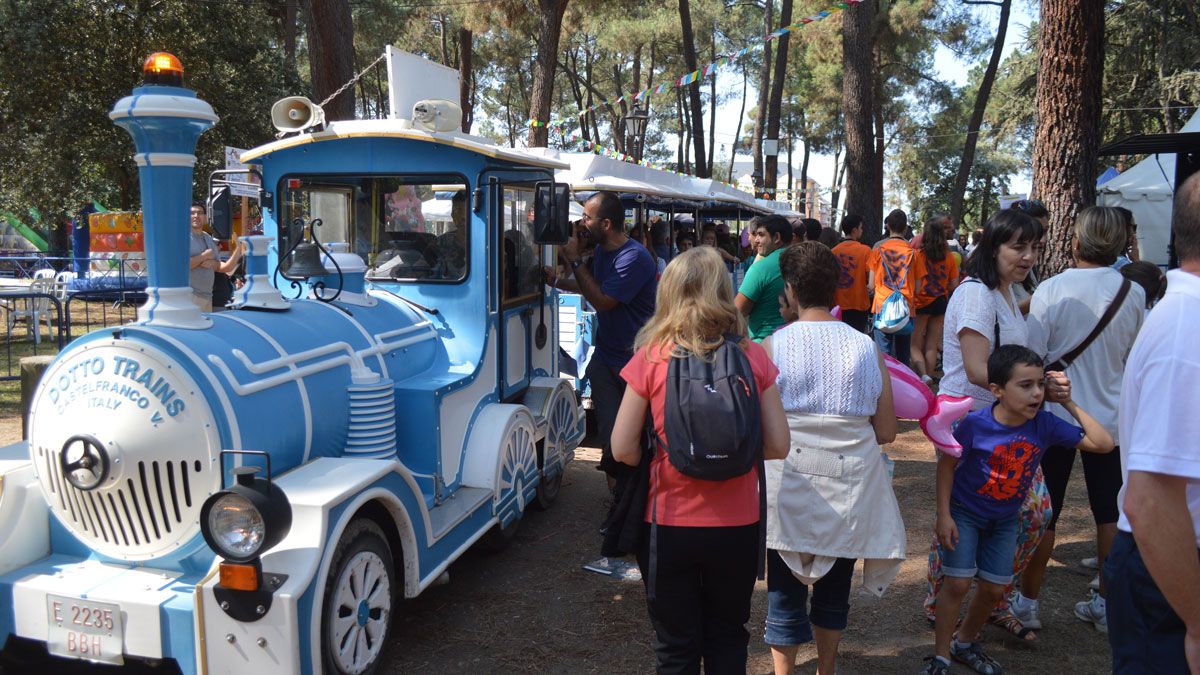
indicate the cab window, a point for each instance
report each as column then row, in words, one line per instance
column 521, row 259
column 406, row 228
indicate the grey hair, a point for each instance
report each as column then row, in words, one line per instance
column 1102, row 234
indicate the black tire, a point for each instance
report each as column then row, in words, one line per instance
column 499, row 538
column 363, row 543
column 547, row 491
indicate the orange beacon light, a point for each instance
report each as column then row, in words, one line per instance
column 162, row 68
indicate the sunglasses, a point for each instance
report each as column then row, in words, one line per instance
column 1027, row 205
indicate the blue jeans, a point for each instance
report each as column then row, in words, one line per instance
column 1145, row 633
column 894, row 345
column 986, row 546
column 789, row 619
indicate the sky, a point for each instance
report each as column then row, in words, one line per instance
column 820, row 168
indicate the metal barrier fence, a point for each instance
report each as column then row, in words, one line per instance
column 39, row 323
column 25, row 315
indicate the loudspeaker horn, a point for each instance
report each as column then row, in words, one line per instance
column 437, row 115
column 296, row 113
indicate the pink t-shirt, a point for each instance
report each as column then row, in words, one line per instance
column 684, row 501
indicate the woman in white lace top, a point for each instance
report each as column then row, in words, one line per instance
column 830, row 502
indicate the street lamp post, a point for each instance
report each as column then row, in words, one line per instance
column 635, row 121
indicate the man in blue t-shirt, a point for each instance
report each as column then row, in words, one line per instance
column 621, row 286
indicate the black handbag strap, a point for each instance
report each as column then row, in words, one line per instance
column 1067, row 359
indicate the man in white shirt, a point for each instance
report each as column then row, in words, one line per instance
column 1153, row 570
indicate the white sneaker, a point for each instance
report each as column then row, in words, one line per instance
column 1026, row 611
column 1093, row 612
column 1090, row 563
column 1094, row 584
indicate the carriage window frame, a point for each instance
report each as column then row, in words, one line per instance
column 283, row 234
column 528, row 187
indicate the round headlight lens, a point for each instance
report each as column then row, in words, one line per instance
column 236, row 526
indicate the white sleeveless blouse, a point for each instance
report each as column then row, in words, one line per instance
column 826, row 368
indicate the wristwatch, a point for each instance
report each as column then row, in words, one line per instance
column 575, row 263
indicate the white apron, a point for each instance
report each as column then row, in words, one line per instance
column 832, row 498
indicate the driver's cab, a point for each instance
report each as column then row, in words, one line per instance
column 468, row 253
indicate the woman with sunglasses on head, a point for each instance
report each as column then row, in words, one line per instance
column 982, row 314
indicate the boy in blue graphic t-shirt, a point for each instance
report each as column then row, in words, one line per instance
column 979, row 496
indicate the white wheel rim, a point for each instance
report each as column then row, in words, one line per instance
column 562, row 413
column 359, row 612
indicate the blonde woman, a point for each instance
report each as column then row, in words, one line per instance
column 708, row 531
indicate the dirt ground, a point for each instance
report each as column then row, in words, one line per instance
column 533, row 609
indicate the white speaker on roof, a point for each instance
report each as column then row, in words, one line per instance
column 296, row 113
column 437, row 115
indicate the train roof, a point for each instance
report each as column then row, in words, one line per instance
column 389, row 128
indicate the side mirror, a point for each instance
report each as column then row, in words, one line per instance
column 220, row 216
column 551, row 213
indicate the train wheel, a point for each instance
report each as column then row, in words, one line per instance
column 359, row 594
column 562, row 418
column 516, row 480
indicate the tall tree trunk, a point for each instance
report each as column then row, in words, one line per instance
column 1067, row 139
column 712, row 107
column 693, row 89
column 804, row 205
column 791, row 184
column 330, row 32
column 835, row 194
column 775, row 104
column 641, row 141
column 958, row 194
column 858, row 107
column 879, row 123
column 543, row 69
column 465, row 76
column 764, row 91
column 737, row 135
column 441, row 19
column 679, row 152
column 287, row 29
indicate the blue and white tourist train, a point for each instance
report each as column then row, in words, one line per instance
column 253, row 491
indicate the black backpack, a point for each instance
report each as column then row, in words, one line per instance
column 712, row 422
column 713, row 426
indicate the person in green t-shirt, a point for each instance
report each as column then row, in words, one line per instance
column 758, row 297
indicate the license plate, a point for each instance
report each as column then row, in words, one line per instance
column 84, row 629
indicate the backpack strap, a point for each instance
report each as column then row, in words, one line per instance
column 1067, row 359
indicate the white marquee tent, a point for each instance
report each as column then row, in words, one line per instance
column 1147, row 189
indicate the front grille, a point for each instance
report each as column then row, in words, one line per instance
column 156, row 505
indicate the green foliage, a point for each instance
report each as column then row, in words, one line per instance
column 64, row 64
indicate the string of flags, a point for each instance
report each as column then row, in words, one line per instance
column 704, row 71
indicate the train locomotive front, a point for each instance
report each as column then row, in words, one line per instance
column 215, row 488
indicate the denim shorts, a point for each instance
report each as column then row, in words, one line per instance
column 986, row 546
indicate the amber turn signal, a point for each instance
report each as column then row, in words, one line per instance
column 240, row 576
column 162, row 68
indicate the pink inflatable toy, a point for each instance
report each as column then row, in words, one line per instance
column 914, row 401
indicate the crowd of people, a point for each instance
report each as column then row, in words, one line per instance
column 690, row 371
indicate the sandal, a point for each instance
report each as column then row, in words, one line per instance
column 1009, row 622
column 975, row 658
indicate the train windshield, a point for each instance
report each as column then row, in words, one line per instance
column 406, row 228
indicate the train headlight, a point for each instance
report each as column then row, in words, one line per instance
column 246, row 519
column 236, row 527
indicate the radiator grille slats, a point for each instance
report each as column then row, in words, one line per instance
column 153, row 507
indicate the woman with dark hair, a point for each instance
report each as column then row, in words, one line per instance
column 982, row 315
column 933, row 294
column 1147, row 275
column 830, row 502
column 1024, row 290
